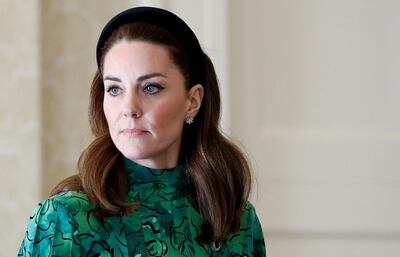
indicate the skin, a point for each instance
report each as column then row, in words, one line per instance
column 146, row 102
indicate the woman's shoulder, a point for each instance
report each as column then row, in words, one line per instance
column 249, row 212
column 250, row 233
column 69, row 201
column 69, row 197
column 251, row 223
column 53, row 223
column 57, row 213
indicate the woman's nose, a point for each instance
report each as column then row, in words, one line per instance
column 132, row 105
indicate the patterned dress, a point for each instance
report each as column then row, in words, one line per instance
column 165, row 224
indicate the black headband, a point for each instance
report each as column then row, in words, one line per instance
column 166, row 20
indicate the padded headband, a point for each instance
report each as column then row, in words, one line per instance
column 163, row 19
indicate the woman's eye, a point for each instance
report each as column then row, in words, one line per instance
column 114, row 91
column 152, row 89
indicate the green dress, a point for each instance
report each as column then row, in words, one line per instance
column 165, row 224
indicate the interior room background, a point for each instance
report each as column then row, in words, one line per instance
column 310, row 90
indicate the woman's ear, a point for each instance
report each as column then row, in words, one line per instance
column 195, row 98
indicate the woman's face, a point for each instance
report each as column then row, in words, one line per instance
column 146, row 102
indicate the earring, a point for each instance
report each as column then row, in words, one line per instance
column 189, row 120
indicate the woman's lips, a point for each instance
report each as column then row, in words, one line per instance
column 133, row 132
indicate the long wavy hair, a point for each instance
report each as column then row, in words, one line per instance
column 219, row 171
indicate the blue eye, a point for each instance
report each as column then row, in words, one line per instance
column 113, row 91
column 152, row 89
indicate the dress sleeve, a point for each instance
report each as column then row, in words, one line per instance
column 50, row 231
column 258, row 236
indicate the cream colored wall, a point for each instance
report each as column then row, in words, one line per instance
column 315, row 89
column 20, row 127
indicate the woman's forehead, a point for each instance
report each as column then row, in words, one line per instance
column 137, row 54
column 134, row 59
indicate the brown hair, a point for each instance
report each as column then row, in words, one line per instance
column 219, row 171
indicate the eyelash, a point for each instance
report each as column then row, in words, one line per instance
column 157, row 86
column 146, row 89
column 111, row 88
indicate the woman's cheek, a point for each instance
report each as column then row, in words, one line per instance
column 110, row 117
column 168, row 115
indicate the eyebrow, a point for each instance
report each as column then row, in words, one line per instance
column 140, row 79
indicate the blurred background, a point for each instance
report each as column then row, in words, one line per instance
column 310, row 91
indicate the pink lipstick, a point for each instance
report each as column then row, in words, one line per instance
column 133, row 132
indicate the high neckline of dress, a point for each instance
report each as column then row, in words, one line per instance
column 151, row 184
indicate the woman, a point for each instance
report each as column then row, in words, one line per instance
column 159, row 179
